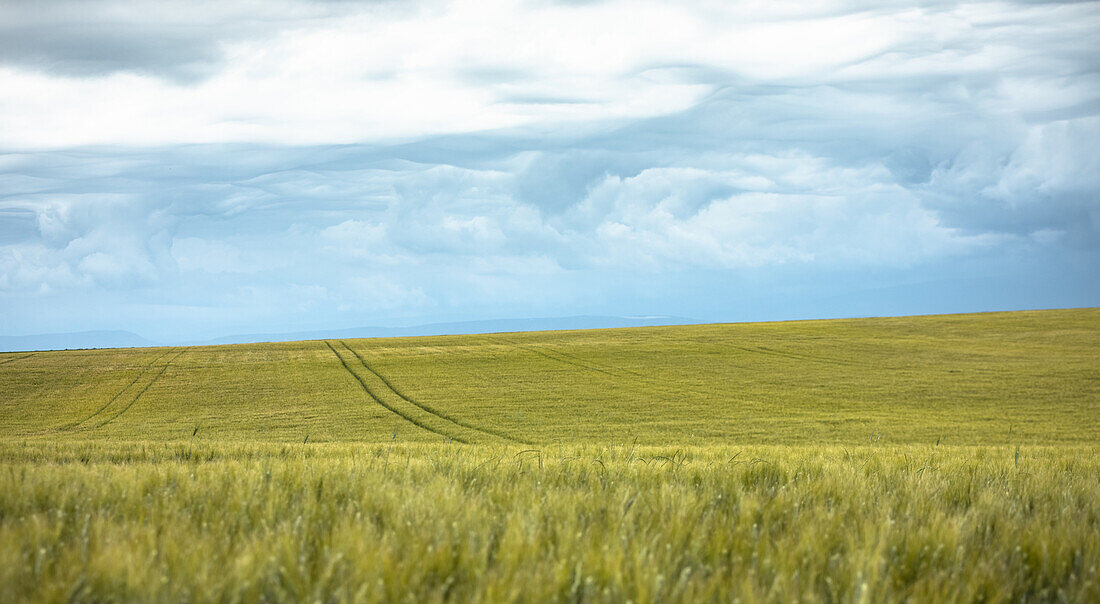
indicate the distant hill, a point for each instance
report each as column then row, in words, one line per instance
column 72, row 341
column 126, row 339
column 458, row 328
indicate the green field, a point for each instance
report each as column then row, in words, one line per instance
column 927, row 458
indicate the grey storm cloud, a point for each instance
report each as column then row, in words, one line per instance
column 185, row 43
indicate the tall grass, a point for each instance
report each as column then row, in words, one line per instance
column 94, row 521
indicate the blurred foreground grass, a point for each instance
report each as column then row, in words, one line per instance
column 185, row 521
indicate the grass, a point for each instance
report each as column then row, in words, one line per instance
column 950, row 458
column 1001, row 378
column 431, row 522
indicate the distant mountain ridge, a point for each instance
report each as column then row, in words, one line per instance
column 459, row 328
column 73, row 341
column 126, row 339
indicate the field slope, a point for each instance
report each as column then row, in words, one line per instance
column 998, row 378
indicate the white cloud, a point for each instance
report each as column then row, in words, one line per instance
column 805, row 212
column 361, row 241
column 196, row 254
column 1055, row 160
column 466, row 66
column 356, row 79
column 378, row 293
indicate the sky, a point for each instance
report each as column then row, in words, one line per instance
column 188, row 170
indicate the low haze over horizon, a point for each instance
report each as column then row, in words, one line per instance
column 186, row 171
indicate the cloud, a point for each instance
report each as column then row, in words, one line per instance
column 1046, row 182
column 195, row 254
column 180, row 42
column 328, row 161
column 326, row 216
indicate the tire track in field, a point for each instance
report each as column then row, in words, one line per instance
column 6, row 361
column 374, row 397
column 630, row 380
column 427, row 408
column 640, row 382
column 757, row 350
column 795, row 356
column 142, row 391
column 612, row 368
column 615, row 372
column 118, row 394
column 566, row 360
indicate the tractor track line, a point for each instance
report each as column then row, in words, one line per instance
column 26, row 356
column 595, row 364
column 791, row 356
column 119, row 393
column 384, row 405
column 426, row 408
column 651, row 384
column 143, row 390
column 555, row 355
column 615, row 372
column 757, row 350
column 811, row 358
column 567, row 361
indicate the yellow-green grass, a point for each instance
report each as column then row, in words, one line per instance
column 999, row 378
column 225, row 522
column 948, row 458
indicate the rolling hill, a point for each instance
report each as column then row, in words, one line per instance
column 997, row 378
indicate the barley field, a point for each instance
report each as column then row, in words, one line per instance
column 945, row 458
